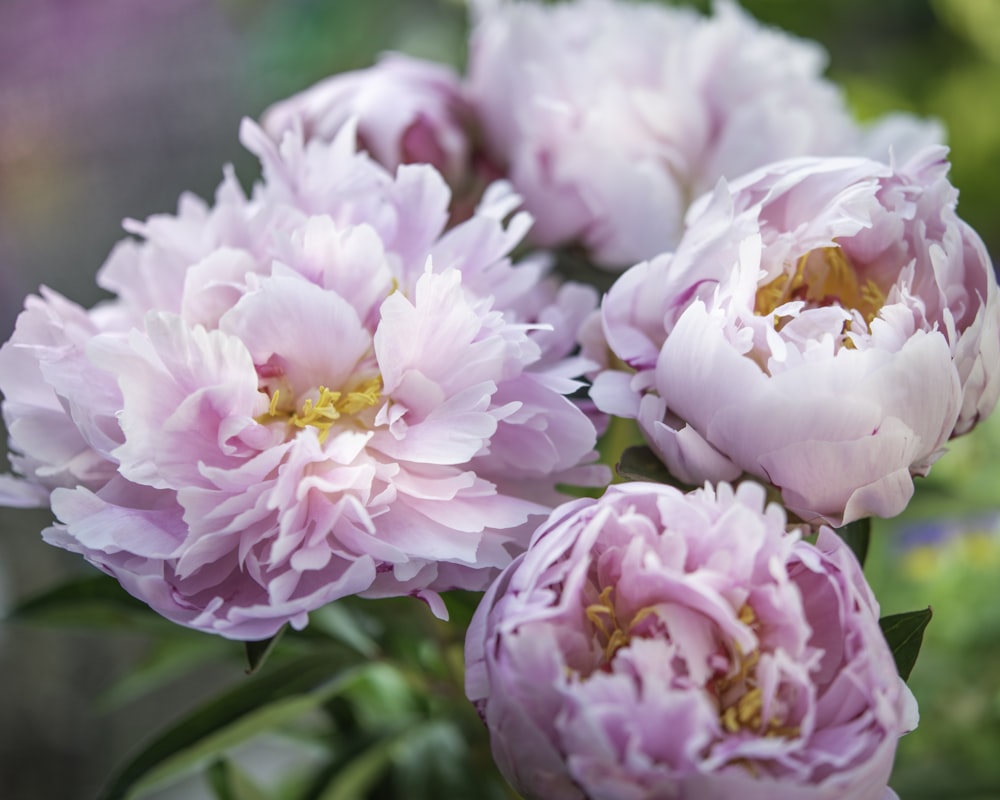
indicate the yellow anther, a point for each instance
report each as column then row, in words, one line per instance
column 822, row 277
column 604, row 617
column 323, row 412
column 746, row 615
column 273, row 407
column 741, row 699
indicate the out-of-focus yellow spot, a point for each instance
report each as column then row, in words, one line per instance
column 977, row 551
column 921, row 562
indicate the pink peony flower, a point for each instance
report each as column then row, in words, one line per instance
column 308, row 393
column 824, row 325
column 655, row 644
column 407, row 111
column 610, row 117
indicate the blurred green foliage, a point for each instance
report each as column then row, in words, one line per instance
column 299, row 42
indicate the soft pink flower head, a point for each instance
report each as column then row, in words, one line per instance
column 825, row 325
column 610, row 117
column 408, row 111
column 656, row 644
column 306, row 393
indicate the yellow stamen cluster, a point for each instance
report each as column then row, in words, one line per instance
column 323, row 412
column 745, row 710
column 604, row 617
column 822, row 277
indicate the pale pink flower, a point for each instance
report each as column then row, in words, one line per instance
column 610, row 117
column 306, row 393
column 407, row 111
column 652, row 644
column 825, row 325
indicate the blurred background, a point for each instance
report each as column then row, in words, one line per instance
column 112, row 108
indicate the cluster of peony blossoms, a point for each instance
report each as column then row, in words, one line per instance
column 346, row 384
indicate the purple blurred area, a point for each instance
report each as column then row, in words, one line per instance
column 108, row 109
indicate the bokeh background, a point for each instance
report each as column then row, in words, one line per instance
column 112, row 108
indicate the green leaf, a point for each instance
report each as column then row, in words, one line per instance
column 260, row 703
column 229, row 782
column 639, row 463
column 94, row 601
column 347, row 626
column 168, row 659
column 437, row 764
column 905, row 633
column 384, row 697
column 257, row 652
column 355, row 779
column 461, row 607
column 857, row 534
column 573, row 265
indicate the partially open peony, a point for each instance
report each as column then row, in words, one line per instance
column 306, row 393
column 652, row 644
column 825, row 325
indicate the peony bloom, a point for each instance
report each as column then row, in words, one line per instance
column 611, row 117
column 407, row 111
column 652, row 644
column 306, row 393
column 824, row 325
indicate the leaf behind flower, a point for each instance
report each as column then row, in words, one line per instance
column 260, row 703
column 95, row 601
column 258, row 651
column 640, row 463
column 905, row 633
column 229, row 782
column 857, row 535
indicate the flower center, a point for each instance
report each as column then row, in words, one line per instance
column 740, row 698
column 611, row 634
column 737, row 692
column 324, row 410
column 822, row 277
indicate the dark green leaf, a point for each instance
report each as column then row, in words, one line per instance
column 461, row 606
column 168, row 659
column 94, row 601
column 346, row 625
column 436, row 763
column 573, row 264
column 857, row 535
column 229, row 782
column 260, row 703
column 356, row 778
column 257, row 652
column 639, row 463
column 905, row 633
